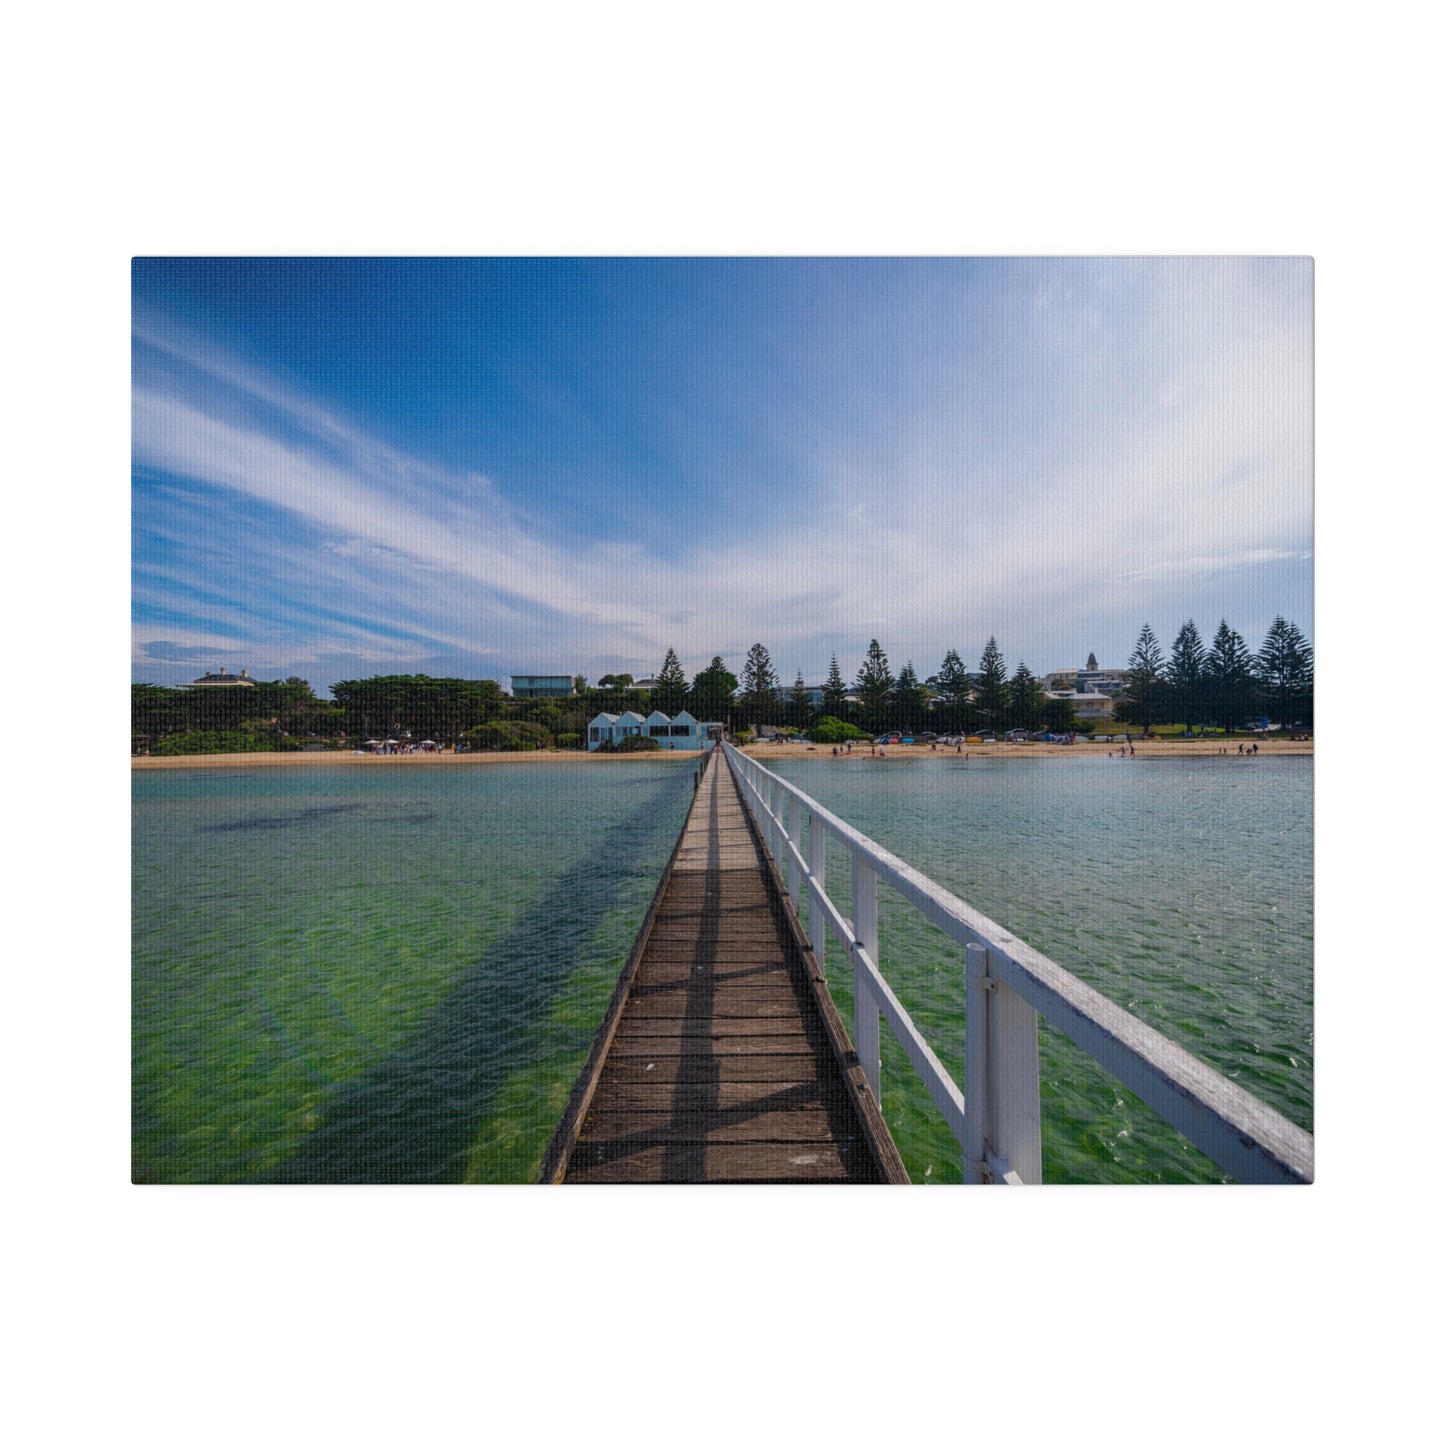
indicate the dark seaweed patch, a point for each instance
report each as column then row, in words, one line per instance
column 284, row 820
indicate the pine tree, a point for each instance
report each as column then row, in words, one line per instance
column 800, row 706
column 953, row 678
column 1026, row 699
column 991, row 687
column 875, row 683
column 953, row 683
column 1285, row 668
column 835, row 691
column 710, row 699
column 1229, row 678
column 1185, row 673
column 759, row 701
column 910, row 699
column 1144, row 698
column 760, row 681
column 670, row 694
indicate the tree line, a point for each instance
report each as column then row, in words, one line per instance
column 1223, row 685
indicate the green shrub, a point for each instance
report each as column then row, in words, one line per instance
column 606, row 746
column 639, row 745
column 569, row 740
column 508, row 737
column 185, row 744
column 830, row 729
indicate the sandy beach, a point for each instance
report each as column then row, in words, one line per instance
column 1006, row 752
column 985, row 752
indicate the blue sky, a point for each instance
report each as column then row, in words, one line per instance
column 346, row 467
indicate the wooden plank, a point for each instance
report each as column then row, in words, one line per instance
column 777, row 1069
column 697, row 986
column 755, row 1002
column 614, row 1163
column 679, row 1096
column 668, row 972
column 675, row 1025
column 813, row 1123
column 705, row 1045
column 743, row 948
column 656, row 1030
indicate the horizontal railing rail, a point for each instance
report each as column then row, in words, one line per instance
column 1008, row 987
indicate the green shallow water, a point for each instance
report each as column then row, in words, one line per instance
column 1179, row 888
column 372, row 975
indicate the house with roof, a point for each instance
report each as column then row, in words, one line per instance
column 1087, row 680
column 1088, row 706
column 629, row 725
column 600, row 730
column 680, row 733
column 223, row 679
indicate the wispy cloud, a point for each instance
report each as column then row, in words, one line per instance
column 1089, row 443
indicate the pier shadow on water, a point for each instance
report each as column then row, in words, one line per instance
column 413, row 1117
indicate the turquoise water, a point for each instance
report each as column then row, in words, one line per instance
column 372, row 974
column 394, row 974
column 1179, row 888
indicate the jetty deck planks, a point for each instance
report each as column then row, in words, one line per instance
column 722, row 1058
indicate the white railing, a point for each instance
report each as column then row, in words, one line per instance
column 1008, row 986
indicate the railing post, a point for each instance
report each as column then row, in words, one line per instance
column 795, row 873
column 1000, row 1078
column 1014, row 1088
column 817, row 919
column 975, row 1064
column 780, row 831
column 865, row 1006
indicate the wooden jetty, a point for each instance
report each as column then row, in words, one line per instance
column 721, row 1058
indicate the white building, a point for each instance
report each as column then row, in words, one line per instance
column 1088, row 706
column 599, row 730
column 1089, row 679
column 680, row 733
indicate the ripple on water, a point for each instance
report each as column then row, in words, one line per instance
column 336, row 974
column 1181, row 891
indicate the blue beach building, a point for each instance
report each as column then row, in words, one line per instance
column 681, row 733
column 599, row 730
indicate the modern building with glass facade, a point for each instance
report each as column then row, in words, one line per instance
column 538, row 685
